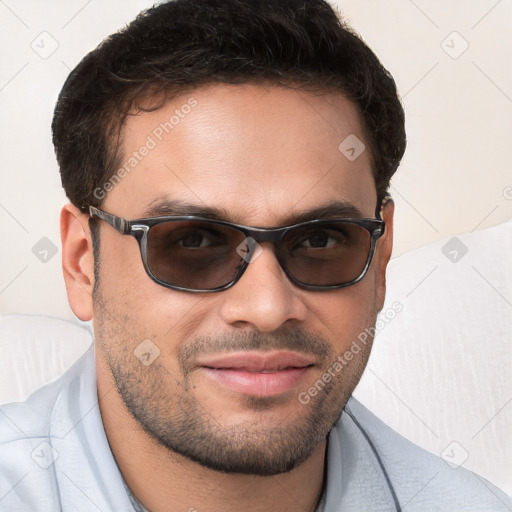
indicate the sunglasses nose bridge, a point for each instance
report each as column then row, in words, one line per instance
column 259, row 237
column 257, row 240
column 265, row 235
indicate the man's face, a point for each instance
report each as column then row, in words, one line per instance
column 261, row 156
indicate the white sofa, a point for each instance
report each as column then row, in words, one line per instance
column 440, row 370
column 439, row 373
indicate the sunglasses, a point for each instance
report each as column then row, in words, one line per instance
column 197, row 254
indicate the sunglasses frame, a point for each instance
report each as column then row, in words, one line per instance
column 139, row 229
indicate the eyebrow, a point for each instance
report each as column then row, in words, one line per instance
column 331, row 210
column 166, row 207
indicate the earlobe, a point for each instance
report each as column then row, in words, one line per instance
column 384, row 250
column 77, row 260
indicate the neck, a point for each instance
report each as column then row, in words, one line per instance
column 162, row 480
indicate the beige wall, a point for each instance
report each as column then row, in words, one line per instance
column 456, row 175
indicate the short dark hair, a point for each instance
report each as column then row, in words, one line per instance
column 180, row 45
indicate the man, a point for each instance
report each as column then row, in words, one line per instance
column 227, row 163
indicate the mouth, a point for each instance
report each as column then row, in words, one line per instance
column 259, row 373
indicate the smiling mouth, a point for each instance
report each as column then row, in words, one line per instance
column 259, row 373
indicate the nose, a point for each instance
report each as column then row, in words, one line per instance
column 264, row 298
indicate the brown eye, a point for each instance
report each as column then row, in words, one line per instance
column 319, row 240
column 194, row 241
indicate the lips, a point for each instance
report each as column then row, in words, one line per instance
column 258, row 373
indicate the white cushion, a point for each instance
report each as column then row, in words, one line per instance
column 439, row 373
column 36, row 350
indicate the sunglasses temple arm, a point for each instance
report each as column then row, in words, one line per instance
column 119, row 224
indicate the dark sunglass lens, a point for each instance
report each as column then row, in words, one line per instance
column 194, row 254
column 327, row 254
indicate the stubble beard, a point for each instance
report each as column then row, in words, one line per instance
column 167, row 409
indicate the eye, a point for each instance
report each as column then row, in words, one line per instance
column 189, row 237
column 320, row 239
column 196, row 240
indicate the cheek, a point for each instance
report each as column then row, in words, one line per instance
column 344, row 314
column 120, row 259
column 131, row 307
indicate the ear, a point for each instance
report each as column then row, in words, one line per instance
column 383, row 251
column 77, row 260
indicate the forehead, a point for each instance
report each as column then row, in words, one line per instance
column 258, row 153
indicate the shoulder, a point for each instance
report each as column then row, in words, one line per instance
column 31, row 430
column 33, row 417
column 420, row 480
